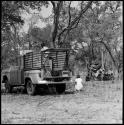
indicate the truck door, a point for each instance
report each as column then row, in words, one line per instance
column 13, row 76
column 20, row 71
column 20, row 76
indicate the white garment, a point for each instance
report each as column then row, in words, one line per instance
column 110, row 72
column 78, row 85
column 97, row 73
column 44, row 48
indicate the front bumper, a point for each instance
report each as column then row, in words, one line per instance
column 52, row 82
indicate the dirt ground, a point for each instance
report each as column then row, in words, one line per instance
column 99, row 102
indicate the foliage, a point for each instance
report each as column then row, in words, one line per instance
column 10, row 24
column 9, row 49
column 59, row 10
column 87, row 29
column 100, row 26
column 11, row 11
column 41, row 36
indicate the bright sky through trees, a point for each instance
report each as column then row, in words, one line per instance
column 45, row 12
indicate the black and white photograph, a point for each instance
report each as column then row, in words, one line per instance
column 61, row 62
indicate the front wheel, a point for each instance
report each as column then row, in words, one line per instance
column 31, row 88
column 52, row 89
column 60, row 88
column 8, row 87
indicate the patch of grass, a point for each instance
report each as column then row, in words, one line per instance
column 6, row 121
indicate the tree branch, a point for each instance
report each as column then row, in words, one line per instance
column 81, row 12
column 76, row 19
column 69, row 13
column 118, row 4
column 53, row 5
column 108, row 49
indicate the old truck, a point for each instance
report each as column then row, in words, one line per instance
column 42, row 69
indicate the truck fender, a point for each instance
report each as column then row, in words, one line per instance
column 4, row 78
column 32, row 75
column 26, row 80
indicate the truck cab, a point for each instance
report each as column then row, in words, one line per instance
column 47, row 68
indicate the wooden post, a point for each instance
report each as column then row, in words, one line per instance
column 102, row 56
column 87, row 63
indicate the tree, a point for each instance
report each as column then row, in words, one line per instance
column 100, row 26
column 12, row 15
column 111, row 28
column 11, row 11
column 9, row 48
column 58, row 6
column 91, row 25
column 10, row 24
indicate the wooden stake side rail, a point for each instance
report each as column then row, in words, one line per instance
column 34, row 60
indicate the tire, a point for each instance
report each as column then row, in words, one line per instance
column 25, row 90
column 52, row 89
column 8, row 87
column 31, row 88
column 60, row 88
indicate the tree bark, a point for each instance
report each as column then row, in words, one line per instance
column 74, row 23
column 107, row 48
column 116, row 68
column 56, row 8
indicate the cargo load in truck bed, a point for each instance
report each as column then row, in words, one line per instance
column 32, row 60
column 37, row 60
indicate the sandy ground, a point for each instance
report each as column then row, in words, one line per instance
column 99, row 102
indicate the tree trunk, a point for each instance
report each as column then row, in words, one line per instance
column 114, row 62
column 56, row 8
column 52, row 45
column 107, row 48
